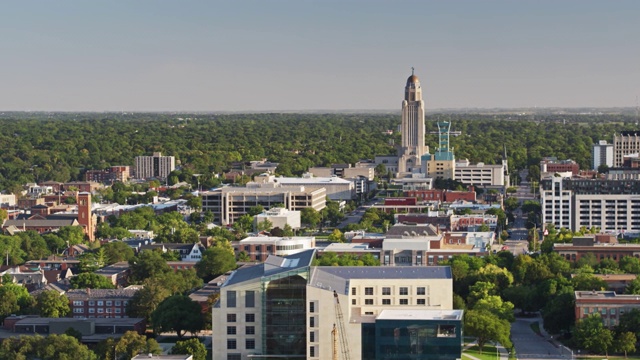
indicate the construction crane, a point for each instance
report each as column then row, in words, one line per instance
column 344, row 345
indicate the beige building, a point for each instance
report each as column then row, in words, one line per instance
column 412, row 128
column 480, row 174
column 335, row 187
column 229, row 203
column 285, row 307
column 279, row 217
column 156, row 166
column 625, row 143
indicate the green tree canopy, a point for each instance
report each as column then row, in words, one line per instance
column 192, row 347
column 51, row 303
column 91, row 281
column 178, row 313
column 216, row 261
column 485, row 326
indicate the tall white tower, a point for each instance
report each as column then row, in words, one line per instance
column 412, row 147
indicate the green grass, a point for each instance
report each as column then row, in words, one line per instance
column 535, row 326
column 488, row 352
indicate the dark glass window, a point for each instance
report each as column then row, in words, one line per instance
column 386, row 291
column 231, row 299
column 404, row 301
column 250, row 299
column 404, row 291
column 386, row 301
column 421, row 290
column 285, row 312
column 368, row 301
column 250, row 317
column 250, row 330
column 231, row 344
column 250, row 344
column 231, row 317
column 231, row 330
column 368, row 291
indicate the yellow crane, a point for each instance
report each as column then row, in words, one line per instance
column 344, row 345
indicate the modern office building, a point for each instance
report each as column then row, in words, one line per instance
column 336, row 188
column 229, row 203
column 601, row 154
column 156, row 166
column 287, row 309
column 259, row 248
column 611, row 205
column 481, row 174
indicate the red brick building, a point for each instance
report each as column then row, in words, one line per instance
column 608, row 304
column 99, row 303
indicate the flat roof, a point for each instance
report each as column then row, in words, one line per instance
column 388, row 272
column 420, row 315
column 97, row 321
column 583, row 295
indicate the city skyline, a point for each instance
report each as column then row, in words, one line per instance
column 304, row 56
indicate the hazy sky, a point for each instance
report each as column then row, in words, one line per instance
column 154, row 55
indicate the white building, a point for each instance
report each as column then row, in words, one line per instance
column 7, row 200
column 279, row 217
column 555, row 202
column 285, row 307
column 229, row 203
column 335, row 187
column 601, row 154
column 480, row 174
column 156, row 166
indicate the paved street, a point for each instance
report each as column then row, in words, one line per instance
column 530, row 345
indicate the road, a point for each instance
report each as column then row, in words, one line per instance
column 529, row 345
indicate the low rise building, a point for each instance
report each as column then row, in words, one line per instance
column 259, row 248
column 278, row 217
column 335, row 187
column 92, row 330
column 601, row 246
column 229, row 203
column 608, row 304
column 481, row 174
column 99, row 303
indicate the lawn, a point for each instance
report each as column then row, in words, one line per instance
column 488, row 352
column 535, row 326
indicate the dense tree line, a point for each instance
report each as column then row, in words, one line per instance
column 59, row 146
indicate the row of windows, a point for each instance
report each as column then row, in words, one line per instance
column 98, row 310
column 247, row 318
column 249, row 344
column 249, row 299
column 100, row 303
column 248, row 330
column 403, row 290
column 388, row 302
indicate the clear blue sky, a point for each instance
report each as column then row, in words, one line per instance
column 155, row 55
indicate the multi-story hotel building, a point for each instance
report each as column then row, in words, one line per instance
column 285, row 308
column 156, row 166
column 601, row 154
column 229, row 203
column 611, row 205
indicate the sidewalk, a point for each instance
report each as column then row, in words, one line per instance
column 504, row 354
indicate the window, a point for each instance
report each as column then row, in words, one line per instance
column 231, row 330
column 421, row 302
column 249, row 299
column 421, row 290
column 353, row 291
column 249, row 318
column 109, row 310
column 404, row 301
column 118, row 303
column 100, row 310
column 353, row 301
column 386, row 291
column 231, row 317
column 312, row 322
column 386, row 301
column 368, row 312
column 78, row 303
column 404, row 291
column 100, row 303
column 368, row 291
column 368, row 301
column 234, row 357
column 91, row 303
column 250, row 330
column 250, row 344
column 312, row 307
column 312, row 336
column 231, row 343
column 312, row 351
column 231, row 299
column 118, row 310
column 92, row 310
column 109, row 303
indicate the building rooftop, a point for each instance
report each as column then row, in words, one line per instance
column 28, row 320
column 420, row 315
column 273, row 265
column 100, row 293
column 600, row 295
column 272, row 239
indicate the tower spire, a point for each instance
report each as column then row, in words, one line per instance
column 412, row 70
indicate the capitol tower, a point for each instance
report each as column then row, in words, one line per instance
column 413, row 128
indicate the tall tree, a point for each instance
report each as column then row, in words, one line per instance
column 91, row 281
column 625, row 342
column 51, row 303
column 178, row 313
column 591, row 334
column 486, row 326
column 216, row 260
